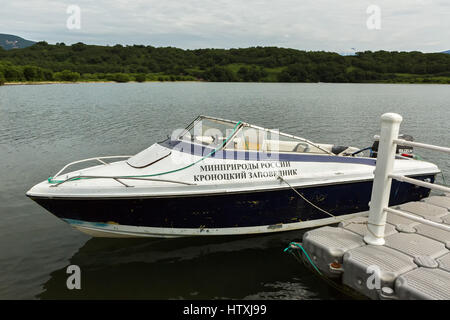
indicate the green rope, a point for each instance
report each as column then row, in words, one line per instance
column 289, row 248
column 337, row 286
column 50, row 179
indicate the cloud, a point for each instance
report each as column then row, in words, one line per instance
column 307, row 24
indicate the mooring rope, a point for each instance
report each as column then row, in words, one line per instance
column 324, row 211
column 289, row 248
column 301, row 196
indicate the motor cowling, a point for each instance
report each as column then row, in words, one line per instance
column 405, row 151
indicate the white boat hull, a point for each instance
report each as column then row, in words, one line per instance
column 123, row 231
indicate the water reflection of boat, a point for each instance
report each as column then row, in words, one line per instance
column 221, row 177
column 189, row 268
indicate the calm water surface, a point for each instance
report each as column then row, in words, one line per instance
column 44, row 127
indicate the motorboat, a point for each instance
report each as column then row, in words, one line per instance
column 222, row 177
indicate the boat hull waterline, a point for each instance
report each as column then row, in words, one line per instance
column 223, row 214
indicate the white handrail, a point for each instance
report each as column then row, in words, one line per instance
column 403, row 142
column 419, row 183
column 89, row 159
column 120, row 178
column 421, row 145
column 379, row 203
column 419, row 219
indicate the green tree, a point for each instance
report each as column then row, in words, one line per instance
column 140, row 77
column 79, row 46
column 219, row 74
column 121, row 77
column 31, row 73
column 67, row 75
column 13, row 73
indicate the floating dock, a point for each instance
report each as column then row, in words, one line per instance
column 390, row 253
column 414, row 262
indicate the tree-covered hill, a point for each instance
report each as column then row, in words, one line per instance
column 44, row 62
column 9, row 41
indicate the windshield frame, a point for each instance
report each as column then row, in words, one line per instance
column 288, row 136
column 240, row 128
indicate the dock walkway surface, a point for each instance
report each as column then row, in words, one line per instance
column 413, row 263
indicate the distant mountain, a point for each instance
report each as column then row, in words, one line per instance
column 448, row 51
column 8, row 41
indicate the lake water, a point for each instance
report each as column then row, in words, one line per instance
column 43, row 127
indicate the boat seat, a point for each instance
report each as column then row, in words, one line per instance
column 338, row 149
column 285, row 146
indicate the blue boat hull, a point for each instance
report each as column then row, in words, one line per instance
column 230, row 210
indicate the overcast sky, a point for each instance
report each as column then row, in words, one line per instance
column 338, row 25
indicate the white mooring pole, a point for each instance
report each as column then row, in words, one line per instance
column 390, row 127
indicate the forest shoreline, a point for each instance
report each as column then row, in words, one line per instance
column 79, row 62
column 25, row 83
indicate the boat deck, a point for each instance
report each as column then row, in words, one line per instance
column 414, row 262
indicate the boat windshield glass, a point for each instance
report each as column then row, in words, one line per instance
column 208, row 131
column 256, row 139
column 213, row 132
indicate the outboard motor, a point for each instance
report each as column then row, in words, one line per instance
column 405, row 151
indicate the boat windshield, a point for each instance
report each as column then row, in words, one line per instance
column 259, row 139
column 213, row 132
column 209, row 131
